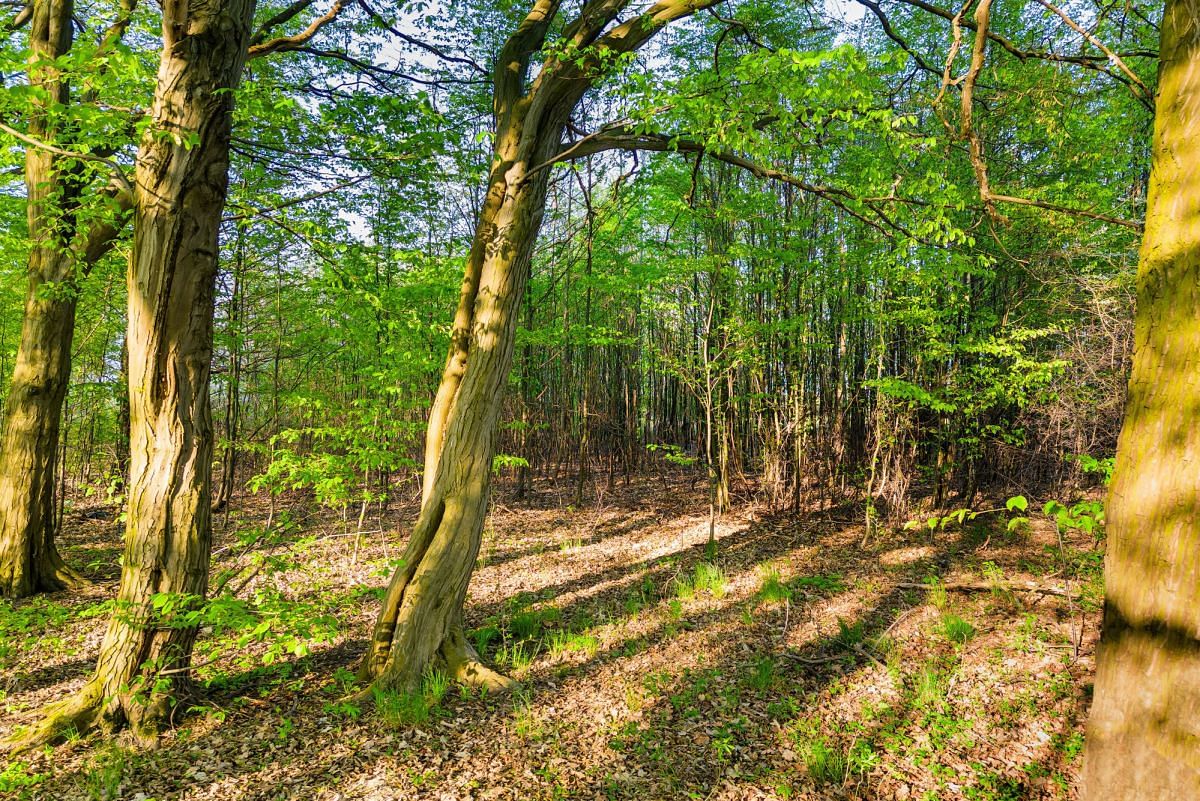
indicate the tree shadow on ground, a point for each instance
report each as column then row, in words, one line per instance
column 685, row 725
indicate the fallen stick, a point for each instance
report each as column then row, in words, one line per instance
column 987, row 586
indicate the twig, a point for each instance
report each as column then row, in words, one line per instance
column 986, row 586
column 117, row 170
column 1142, row 91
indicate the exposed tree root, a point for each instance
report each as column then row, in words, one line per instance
column 94, row 709
column 55, row 574
column 463, row 663
column 72, row 716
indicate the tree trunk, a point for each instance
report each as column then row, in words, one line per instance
column 421, row 615
column 420, row 619
column 1144, row 732
column 180, row 194
column 29, row 561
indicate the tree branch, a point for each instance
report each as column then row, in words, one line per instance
column 620, row 139
column 282, row 17
column 513, row 61
column 296, row 41
column 1143, row 92
column 1097, row 63
column 895, row 37
column 968, row 131
column 118, row 171
column 428, row 48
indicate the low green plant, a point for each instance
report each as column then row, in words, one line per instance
column 482, row 637
column 525, row 720
column 710, row 578
column 562, row 641
column 931, row 685
column 956, row 630
column 516, row 655
column 16, row 777
column 826, row 583
column 772, row 589
column 413, row 708
column 937, row 592
column 284, row 730
column 525, row 625
column 633, row 605
column 783, row 709
column 826, row 763
column 674, row 610
column 850, row 633
column 862, row 759
column 103, row 774
column 347, row 709
column 762, row 675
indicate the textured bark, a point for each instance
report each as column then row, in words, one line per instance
column 1144, row 732
column 180, row 193
column 29, row 562
column 420, row 614
column 420, row 622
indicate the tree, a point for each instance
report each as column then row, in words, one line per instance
column 1142, row 738
column 421, row 615
column 181, row 184
column 67, row 237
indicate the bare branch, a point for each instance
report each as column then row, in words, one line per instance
column 891, row 33
column 1144, row 93
column 285, row 43
column 1097, row 63
column 428, row 48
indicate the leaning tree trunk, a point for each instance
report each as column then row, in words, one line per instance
column 420, row 616
column 180, row 194
column 1144, row 732
column 420, row 622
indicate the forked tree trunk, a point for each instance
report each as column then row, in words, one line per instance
column 29, row 561
column 1143, row 740
column 420, row 621
column 182, row 176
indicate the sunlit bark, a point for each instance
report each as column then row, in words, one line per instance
column 419, row 623
column 1144, row 732
column 182, row 177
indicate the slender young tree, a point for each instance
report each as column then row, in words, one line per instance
column 1143, row 738
column 65, row 244
column 421, row 614
column 181, row 183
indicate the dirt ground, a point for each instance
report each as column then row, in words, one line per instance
column 792, row 664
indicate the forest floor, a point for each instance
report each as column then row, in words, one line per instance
column 794, row 665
